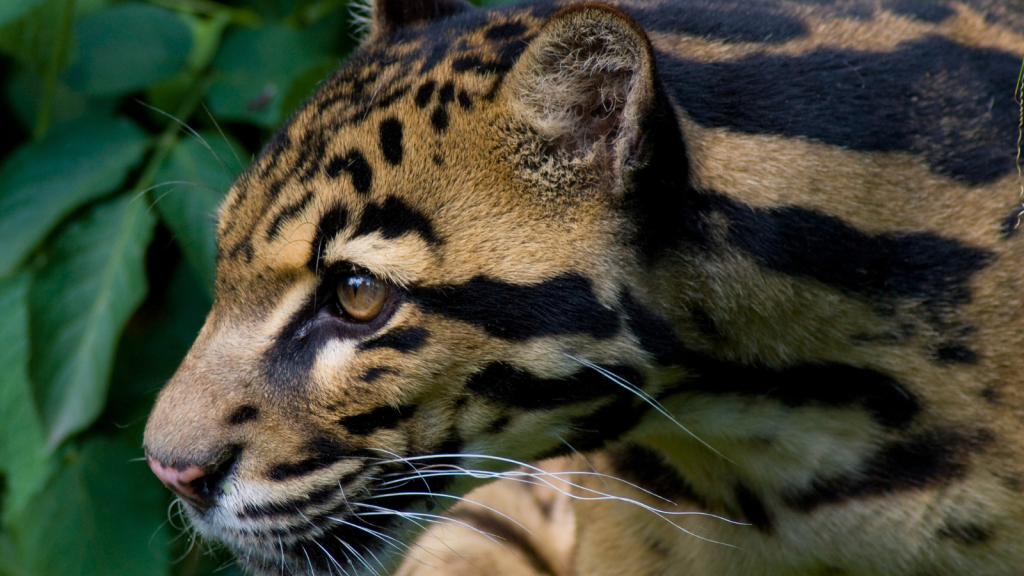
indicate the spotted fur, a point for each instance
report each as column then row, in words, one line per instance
column 751, row 268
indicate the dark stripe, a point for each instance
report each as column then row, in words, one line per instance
column 382, row 417
column 405, row 339
column 932, row 97
column 506, row 31
column 373, row 374
column 753, row 510
column 287, row 213
column 391, row 140
column 394, row 219
column 243, row 414
column 324, row 451
column 827, row 384
column 291, row 507
column 331, row 223
column 925, row 10
column 498, row 425
column 966, row 534
column 423, row 94
column 730, row 21
column 1009, row 225
column 508, row 534
column 647, row 469
column 927, row 459
column 565, row 304
column 355, row 164
column 956, row 354
column 510, row 386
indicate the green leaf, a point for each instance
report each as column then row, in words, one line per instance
column 25, row 93
column 303, row 86
column 255, row 67
column 31, row 38
column 191, row 186
column 23, row 458
column 100, row 514
column 128, row 47
column 11, row 10
column 79, row 304
column 42, row 182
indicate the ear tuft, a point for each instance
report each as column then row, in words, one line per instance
column 390, row 15
column 586, row 84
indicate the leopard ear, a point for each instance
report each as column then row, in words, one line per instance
column 390, row 15
column 587, row 85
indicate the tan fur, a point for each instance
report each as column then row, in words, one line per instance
column 524, row 177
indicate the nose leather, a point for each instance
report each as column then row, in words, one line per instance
column 179, row 481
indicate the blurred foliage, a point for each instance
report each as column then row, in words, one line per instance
column 124, row 125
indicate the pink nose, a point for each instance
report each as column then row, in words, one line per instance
column 179, row 481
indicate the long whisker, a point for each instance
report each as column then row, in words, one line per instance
column 653, row 402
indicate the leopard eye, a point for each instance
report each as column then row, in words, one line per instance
column 362, row 296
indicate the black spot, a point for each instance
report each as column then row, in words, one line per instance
column 955, row 354
column 565, row 304
column 926, row 10
column 331, row 223
column 391, row 140
column 649, row 470
column 740, row 21
column 1010, row 225
column 423, row 94
column 376, row 419
column 288, row 212
column 439, row 119
column 394, row 219
column 932, row 97
column 324, row 451
column 991, row 395
column 506, row 31
column 406, row 339
column 827, row 384
column 435, row 54
column 372, row 374
column 508, row 385
column 481, row 66
column 437, row 159
column 965, row 534
column 753, row 510
column 498, row 425
column 355, row 164
column 705, row 324
column 464, row 101
column 927, row 459
column 446, row 94
column 243, row 414
column 243, row 249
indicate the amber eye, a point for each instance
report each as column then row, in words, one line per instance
column 362, row 296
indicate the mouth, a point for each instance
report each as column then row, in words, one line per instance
column 360, row 523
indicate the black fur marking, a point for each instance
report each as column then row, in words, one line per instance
column 739, row 21
column 513, row 537
column 506, row 31
column 355, row 164
column 607, row 423
column 565, row 304
column 394, row 219
column 290, row 507
column 705, row 324
column 446, row 94
column 372, row 374
column 405, row 339
column 956, row 354
column 481, row 66
column 391, row 140
column 424, row 93
column 243, row 249
column 1009, row 226
column 507, row 385
column 464, row 100
column 287, row 213
column 331, row 223
column 801, row 242
column 498, row 425
column 243, row 414
column 439, row 118
column 966, row 534
column 932, row 97
column 925, row 10
column 324, row 451
column 647, row 469
column 378, row 418
column 927, row 459
column 992, row 395
column 753, row 510
column 827, row 384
